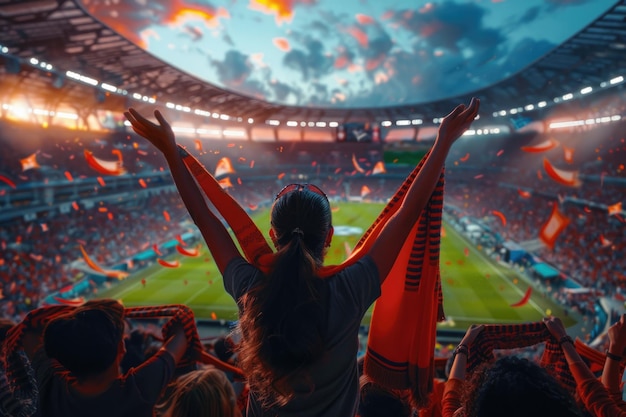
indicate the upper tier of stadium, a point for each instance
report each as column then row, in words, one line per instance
column 57, row 48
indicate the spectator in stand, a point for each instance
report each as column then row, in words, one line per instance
column 5, row 326
column 201, row 393
column 300, row 332
column 600, row 400
column 376, row 401
column 77, row 365
column 509, row 386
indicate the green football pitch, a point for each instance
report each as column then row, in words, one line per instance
column 476, row 289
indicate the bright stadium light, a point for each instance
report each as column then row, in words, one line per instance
column 273, row 122
column 542, row 104
column 320, row 124
column 417, row 121
column 616, row 80
column 333, row 124
column 529, row 107
column 250, row 120
column 502, row 112
column 568, row 96
column 403, row 122
column 292, row 123
column 109, row 87
column 386, row 123
column 170, row 105
column 586, row 90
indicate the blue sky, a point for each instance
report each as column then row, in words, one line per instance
column 349, row 53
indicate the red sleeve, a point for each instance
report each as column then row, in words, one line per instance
column 594, row 395
column 451, row 401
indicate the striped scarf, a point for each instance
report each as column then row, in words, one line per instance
column 512, row 336
column 19, row 392
column 400, row 352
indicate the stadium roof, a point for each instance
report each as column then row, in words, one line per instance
column 63, row 35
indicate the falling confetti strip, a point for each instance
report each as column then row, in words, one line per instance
column 166, row 215
column 500, row 216
column 524, row 299
column 174, row 264
column 569, row 178
column 105, row 167
column 523, row 193
column 464, row 158
column 192, row 253
column 542, row 147
column 7, row 181
column 224, row 167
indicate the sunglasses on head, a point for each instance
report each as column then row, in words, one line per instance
column 299, row 187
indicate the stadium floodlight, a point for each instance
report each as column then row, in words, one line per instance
column 137, row 96
column 403, row 122
column 616, row 80
column 187, row 109
column 108, row 87
column 65, row 115
column 590, row 121
column 224, row 117
column 273, row 122
column 513, row 111
column 494, row 114
column 417, row 121
column 470, row 132
column 311, row 124
column 303, row 124
column 570, row 123
column 151, row 100
column 333, row 124
column 616, row 117
column 320, row 124
column 170, row 105
column 567, row 96
column 436, row 120
column 542, row 104
column 250, row 120
column 4, row 50
column 49, row 67
column 180, row 129
column 529, row 107
column 603, row 84
column 586, row 90
column 34, row 61
column 202, row 113
column 292, row 123
column 215, row 115
column 502, row 112
column 386, row 123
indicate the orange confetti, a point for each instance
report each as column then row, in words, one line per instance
column 365, row 191
column 30, row 162
column 174, row 264
column 569, row 178
column 166, row 215
column 156, row 250
column 110, row 216
column 500, row 216
column 524, row 299
column 75, row 205
column 252, row 164
column 500, row 152
column 69, row 177
column 523, row 193
column 479, row 176
column 7, row 181
column 466, row 251
column 224, row 166
column 542, row 147
column 379, row 168
column 192, row 253
column 465, row 158
column 539, row 175
column 604, row 241
column 281, row 175
column 253, row 207
column 614, row 209
column 102, row 209
column 180, row 240
column 142, row 183
column 364, row 19
column 105, row 167
column 198, row 144
column 101, row 182
column 553, row 227
column 213, row 315
column 356, row 164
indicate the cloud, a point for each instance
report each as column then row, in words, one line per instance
column 234, row 69
column 311, row 63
